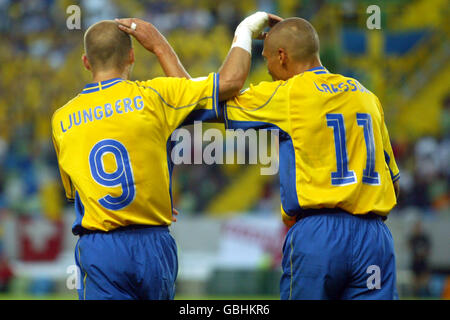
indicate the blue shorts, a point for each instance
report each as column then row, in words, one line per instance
column 338, row 256
column 127, row 263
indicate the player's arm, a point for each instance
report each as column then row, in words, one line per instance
column 262, row 106
column 236, row 66
column 152, row 40
column 180, row 101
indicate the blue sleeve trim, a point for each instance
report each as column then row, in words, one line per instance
column 388, row 161
column 209, row 115
column 396, row 177
column 225, row 115
column 387, row 158
column 216, row 94
column 169, row 146
column 79, row 215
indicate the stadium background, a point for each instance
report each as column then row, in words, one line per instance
column 229, row 232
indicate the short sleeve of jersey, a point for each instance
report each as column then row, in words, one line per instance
column 388, row 153
column 184, row 101
column 259, row 106
column 67, row 183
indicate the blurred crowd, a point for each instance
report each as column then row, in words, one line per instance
column 41, row 70
column 425, row 170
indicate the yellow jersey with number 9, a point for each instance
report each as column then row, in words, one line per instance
column 113, row 147
column 334, row 145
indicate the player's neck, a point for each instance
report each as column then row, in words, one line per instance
column 108, row 74
column 297, row 67
column 302, row 67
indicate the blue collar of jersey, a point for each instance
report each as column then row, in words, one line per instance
column 97, row 86
column 318, row 70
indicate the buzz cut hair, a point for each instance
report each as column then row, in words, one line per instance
column 106, row 46
column 296, row 35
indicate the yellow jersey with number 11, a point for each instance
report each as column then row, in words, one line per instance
column 334, row 145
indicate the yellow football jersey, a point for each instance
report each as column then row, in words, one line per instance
column 334, row 145
column 113, row 147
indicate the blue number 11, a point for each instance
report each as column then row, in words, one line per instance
column 343, row 176
column 370, row 176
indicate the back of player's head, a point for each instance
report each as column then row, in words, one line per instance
column 297, row 36
column 106, row 46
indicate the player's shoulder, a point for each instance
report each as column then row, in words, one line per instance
column 264, row 88
column 143, row 83
column 257, row 96
column 158, row 82
column 65, row 108
column 355, row 84
column 156, row 86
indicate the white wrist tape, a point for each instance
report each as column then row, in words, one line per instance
column 249, row 28
column 243, row 38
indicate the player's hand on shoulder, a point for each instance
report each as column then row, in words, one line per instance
column 144, row 32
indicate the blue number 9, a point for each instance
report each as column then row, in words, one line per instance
column 123, row 176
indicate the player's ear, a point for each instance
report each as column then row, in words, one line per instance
column 86, row 63
column 282, row 56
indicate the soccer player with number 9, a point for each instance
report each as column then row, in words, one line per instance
column 113, row 147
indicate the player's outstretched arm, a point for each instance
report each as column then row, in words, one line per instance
column 236, row 66
column 152, row 40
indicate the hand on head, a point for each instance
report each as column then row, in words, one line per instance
column 273, row 20
column 144, row 32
